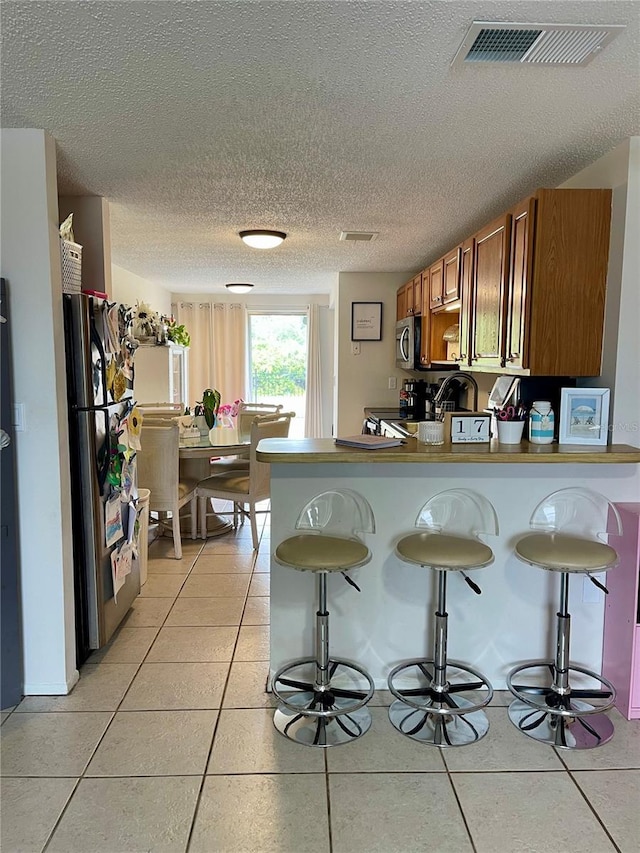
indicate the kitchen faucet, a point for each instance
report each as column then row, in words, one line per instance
column 466, row 377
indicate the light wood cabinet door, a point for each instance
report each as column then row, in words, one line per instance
column 401, row 303
column 451, row 286
column 436, row 279
column 520, row 264
column 466, row 294
column 417, row 294
column 490, row 262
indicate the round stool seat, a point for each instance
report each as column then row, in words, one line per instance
column 453, row 553
column 313, row 553
column 557, row 553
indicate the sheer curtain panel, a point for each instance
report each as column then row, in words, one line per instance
column 218, row 353
column 313, row 404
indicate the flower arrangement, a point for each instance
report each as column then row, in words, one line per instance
column 145, row 321
column 230, row 409
column 177, row 333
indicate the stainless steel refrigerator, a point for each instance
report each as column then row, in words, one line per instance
column 93, row 345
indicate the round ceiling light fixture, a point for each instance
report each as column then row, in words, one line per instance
column 261, row 238
column 239, row 287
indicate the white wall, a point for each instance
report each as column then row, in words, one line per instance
column 129, row 288
column 31, row 265
column 620, row 170
column 362, row 380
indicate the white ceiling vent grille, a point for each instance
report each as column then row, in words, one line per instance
column 359, row 236
column 534, row 44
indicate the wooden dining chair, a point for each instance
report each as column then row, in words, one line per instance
column 161, row 410
column 245, row 486
column 158, row 471
column 247, row 413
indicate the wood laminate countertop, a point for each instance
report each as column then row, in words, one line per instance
column 314, row 450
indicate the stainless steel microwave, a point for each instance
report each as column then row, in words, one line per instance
column 408, row 343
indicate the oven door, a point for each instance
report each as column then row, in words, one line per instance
column 405, row 343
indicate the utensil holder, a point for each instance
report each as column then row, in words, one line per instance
column 510, row 432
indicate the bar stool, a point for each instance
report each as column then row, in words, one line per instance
column 321, row 698
column 437, row 712
column 570, row 525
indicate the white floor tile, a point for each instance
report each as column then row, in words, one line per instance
column 615, row 795
column 155, row 743
column 260, row 584
column 204, row 644
column 50, row 744
column 206, row 611
column 502, row 748
column 621, row 753
column 246, row 686
column 384, row 750
column 30, row 809
column 128, row 645
column 253, row 643
column 396, row 813
column 257, row 611
column 536, row 812
column 162, row 586
column 247, row 742
column 132, row 815
column 254, row 814
column 147, row 612
column 176, row 686
column 99, row 688
column 218, row 585
column 210, row 563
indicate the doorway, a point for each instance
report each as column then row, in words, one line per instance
column 278, row 362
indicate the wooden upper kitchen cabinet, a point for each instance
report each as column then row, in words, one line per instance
column 466, row 292
column 436, row 284
column 451, row 282
column 401, row 303
column 559, row 252
column 488, row 301
column 417, row 294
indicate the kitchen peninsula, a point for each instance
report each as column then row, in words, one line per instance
column 389, row 620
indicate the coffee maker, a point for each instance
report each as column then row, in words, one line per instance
column 415, row 399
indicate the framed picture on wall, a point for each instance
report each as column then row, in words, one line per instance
column 366, row 321
column 584, row 416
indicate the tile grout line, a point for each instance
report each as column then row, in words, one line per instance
column 222, row 696
column 455, row 794
column 328, row 791
column 586, row 799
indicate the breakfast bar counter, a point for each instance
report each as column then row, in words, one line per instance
column 390, row 619
column 315, row 450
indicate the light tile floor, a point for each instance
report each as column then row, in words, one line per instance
column 166, row 744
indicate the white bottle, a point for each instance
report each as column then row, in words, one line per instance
column 541, row 422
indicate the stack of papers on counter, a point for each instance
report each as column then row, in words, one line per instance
column 369, row 442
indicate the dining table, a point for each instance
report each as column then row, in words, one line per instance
column 195, row 454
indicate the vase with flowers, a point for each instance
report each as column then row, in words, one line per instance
column 145, row 322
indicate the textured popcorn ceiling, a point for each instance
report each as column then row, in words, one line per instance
column 198, row 119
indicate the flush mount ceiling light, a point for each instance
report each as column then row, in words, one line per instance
column 239, row 287
column 260, row 238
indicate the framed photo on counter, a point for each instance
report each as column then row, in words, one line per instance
column 584, row 416
column 366, row 321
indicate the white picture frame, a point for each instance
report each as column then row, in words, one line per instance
column 584, row 416
column 366, row 321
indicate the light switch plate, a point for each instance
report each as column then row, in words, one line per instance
column 18, row 417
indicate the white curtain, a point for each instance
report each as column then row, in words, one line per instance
column 218, row 353
column 313, row 406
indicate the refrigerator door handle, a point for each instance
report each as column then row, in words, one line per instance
column 97, row 340
column 102, row 465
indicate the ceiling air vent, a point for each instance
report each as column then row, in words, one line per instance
column 360, row 236
column 534, row 44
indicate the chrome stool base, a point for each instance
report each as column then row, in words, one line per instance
column 321, row 731
column 324, row 716
column 562, row 719
column 442, row 717
column 438, row 726
column 565, row 732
